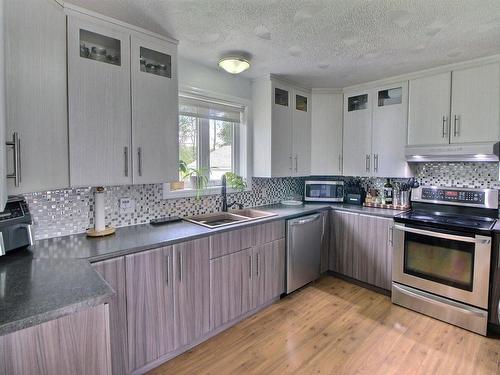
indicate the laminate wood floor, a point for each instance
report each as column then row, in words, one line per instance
column 334, row 327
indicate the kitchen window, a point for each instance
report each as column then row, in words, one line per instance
column 209, row 139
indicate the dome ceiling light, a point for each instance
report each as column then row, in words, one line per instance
column 234, row 64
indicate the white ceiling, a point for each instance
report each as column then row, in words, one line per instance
column 321, row 43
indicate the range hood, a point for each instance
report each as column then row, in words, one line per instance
column 486, row 151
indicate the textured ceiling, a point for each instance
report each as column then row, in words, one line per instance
column 321, row 43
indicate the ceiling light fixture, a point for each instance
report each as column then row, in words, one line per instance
column 234, row 64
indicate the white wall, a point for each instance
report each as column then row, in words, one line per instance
column 202, row 77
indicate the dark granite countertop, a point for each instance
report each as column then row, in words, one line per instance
column 382, row 212
column 54, row 278
column 132, row 239
column 33, row 291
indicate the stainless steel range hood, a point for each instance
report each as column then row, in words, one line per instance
column 487, row 151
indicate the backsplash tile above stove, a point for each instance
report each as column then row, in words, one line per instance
column 458, row 174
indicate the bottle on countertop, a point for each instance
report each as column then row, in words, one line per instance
column 388, row 192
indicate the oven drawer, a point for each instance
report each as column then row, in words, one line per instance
column 456, row 313
column 447, row 264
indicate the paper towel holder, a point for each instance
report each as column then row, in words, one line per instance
column 93, row 232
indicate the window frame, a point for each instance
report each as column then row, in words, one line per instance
column 241, row 152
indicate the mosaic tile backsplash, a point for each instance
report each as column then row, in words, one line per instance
column 69, row 211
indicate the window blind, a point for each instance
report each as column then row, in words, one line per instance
column 209, row 110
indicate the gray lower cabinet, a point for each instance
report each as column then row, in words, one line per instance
column 168, row 299
column 268, row 272
column 230, row 286
column 73, row 344
column 245, row 280
column 343, row 242
column 192, row 290
column 113, row 271
column 150, row 305
column 273, row 270
column 375, row 258
column 361, row 247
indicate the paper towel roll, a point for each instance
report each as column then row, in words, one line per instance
column 99, row 222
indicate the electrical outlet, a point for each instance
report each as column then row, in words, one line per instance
column 127, row 206
column 264, row 193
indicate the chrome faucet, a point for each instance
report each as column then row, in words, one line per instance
column 225, row 206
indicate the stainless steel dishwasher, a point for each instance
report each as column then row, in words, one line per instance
column 303, row 251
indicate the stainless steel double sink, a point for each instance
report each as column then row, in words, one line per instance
column 219, row 219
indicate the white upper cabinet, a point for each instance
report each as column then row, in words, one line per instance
column 282, row 129
column 357, row 137
column 301, row 133
column 281, row 148
column 462, row 106
column 123, row 104
column 375, row 131
column 36, row 100
column 99, row 103
column 475, row 105
column 155, row 116
column 389, row 131
column 326, row 133
column 429, row 110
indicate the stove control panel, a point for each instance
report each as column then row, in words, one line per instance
column 453, row 195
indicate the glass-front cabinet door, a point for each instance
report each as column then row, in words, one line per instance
column 155, row 130
column 98, row 102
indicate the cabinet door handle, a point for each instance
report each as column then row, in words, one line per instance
column 257, row 264
column 125, row 156
column 456, row 130
column 340, row 163
column 16, row 148
column 296, row 162
column 375, row 162
column 291, row 162
column 445, row 133
column 391, row 235
column 249, row 265
column 139, row 159
column 367, row 163
column 180, row 265
column 168, row 269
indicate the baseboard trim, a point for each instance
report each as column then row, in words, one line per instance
column 165, row 358
column 360, row 283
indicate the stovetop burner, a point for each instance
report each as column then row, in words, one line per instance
column 448, row 219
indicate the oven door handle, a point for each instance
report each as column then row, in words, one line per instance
column 485, row 240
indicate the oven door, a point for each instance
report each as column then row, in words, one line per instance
column 447, row 263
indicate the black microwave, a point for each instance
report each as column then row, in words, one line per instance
column 324, row 191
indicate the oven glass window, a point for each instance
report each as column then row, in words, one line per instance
column 444, row 261
column 324, row 191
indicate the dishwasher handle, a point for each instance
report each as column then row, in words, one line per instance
column 305, row 219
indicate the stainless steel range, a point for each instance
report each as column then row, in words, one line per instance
column 442, row 254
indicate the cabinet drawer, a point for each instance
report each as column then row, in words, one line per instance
column 268, row 232
column 240, row 239
column 230, row 242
